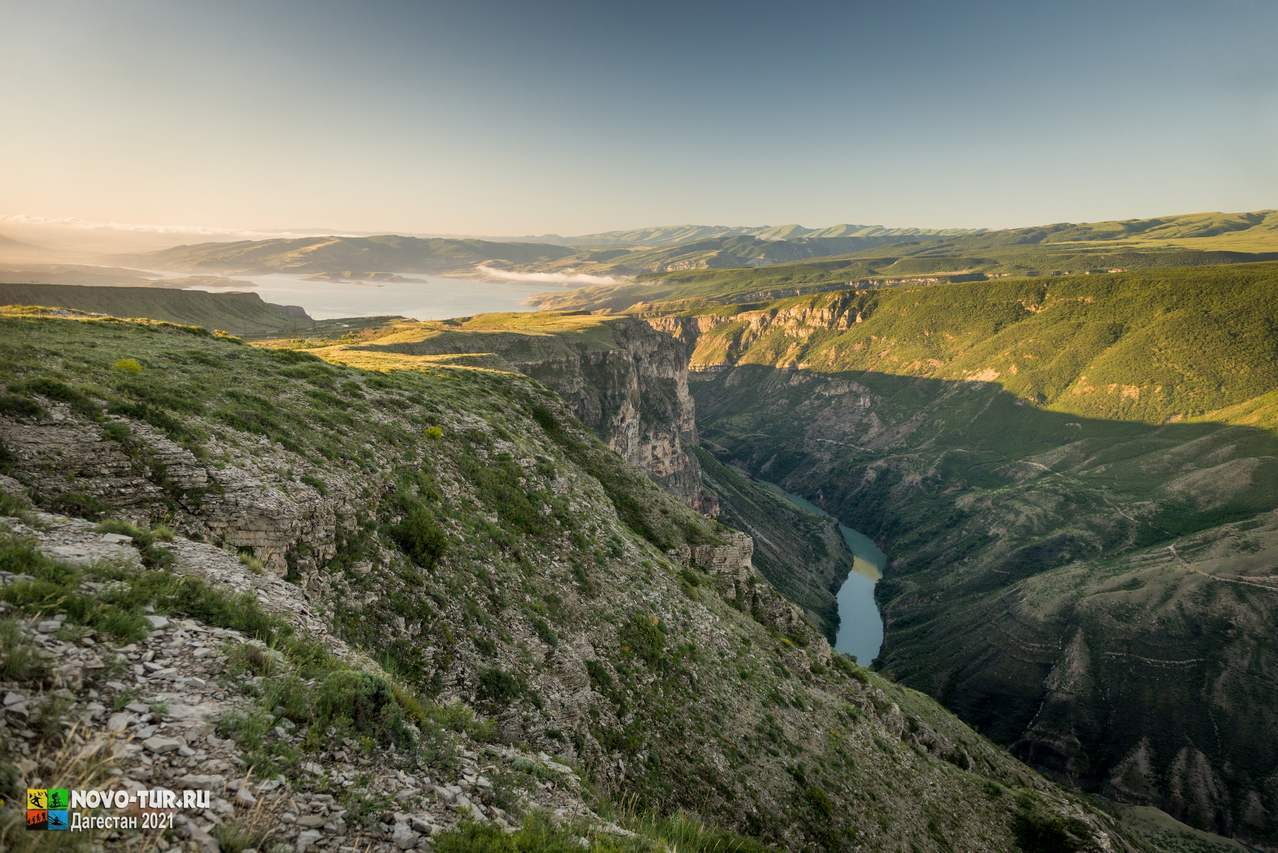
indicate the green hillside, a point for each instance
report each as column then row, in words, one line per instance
column 676, row 235
column 243, row 314
column 692, row 276
column 427, row 575
column 1075, row 479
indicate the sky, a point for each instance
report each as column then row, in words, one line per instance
column 493, row 118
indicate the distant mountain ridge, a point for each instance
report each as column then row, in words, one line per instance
column 1045, row 249
column 384, row 253
column 677, row 235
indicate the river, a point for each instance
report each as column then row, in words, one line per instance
column 860, row 631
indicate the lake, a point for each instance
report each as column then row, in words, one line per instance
column 860, row 631
column 426, row 297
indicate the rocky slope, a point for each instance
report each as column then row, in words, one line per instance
column 623, row 380
column 1076, row 483
column 385, row 600
column 802, row 555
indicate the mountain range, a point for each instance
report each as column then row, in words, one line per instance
column 869, row 251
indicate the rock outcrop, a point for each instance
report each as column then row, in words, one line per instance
column 624, row 380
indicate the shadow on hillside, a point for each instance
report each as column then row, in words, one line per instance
column 978, row 497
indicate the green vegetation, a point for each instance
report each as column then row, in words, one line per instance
column 196, row 311
column 1082, row 466
column 18, row 660
column 560, row 601
column 681, row 832
column 1079, row 345
column 741, row 268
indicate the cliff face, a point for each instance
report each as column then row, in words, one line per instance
column 635, row 396
column 1095, row 593
column 624, row 380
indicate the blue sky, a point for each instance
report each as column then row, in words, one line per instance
column 522, row 117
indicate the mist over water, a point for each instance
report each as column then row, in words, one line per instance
column 576, row 279
column 424, row 297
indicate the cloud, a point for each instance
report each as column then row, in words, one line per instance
column 546, row 277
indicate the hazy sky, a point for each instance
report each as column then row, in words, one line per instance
column 532, row 117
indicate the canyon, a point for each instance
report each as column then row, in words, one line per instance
column 299, row 454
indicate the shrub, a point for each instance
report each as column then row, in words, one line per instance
column 499, row 485
column 643, row 637
column 315, row 483
column 55, row 390
column 544, row 631
column 19, row 407
column 599, row 677
column 419, row 535
column 153, row 556
column 78, row 504
column 434, row 433
column 362, row 702
column 19, row 660
column 498, row 686
column 127, row 365
column 850, row 668
column 1037, row 829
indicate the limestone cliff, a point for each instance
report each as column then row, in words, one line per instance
column 625, row 381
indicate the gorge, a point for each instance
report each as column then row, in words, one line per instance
column 1071, row 519
column 1051, row 546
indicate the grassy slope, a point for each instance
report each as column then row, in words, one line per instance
column 1188, row 240
column 1148, row 346
column 548, row 542
column 243, row 314
column 1075, row 479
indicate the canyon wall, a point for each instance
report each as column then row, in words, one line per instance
column 1094, row 592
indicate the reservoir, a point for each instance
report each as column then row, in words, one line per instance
column 419, row 296
column 860, row 631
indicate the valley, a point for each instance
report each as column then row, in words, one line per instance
column 1082, row 567
column 499, row 427
column 1074, row 477
column 440, row 555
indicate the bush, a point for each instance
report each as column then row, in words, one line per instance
column 19, row 407
column 55, row 390
column 434, row 433
column 362, row 702
column 643, row 637
column 78, row 504
column 419, row 535
column 1043, row 832
column 499, row 687
column 19, row 660
column 544, row 631
column 127, row 365
column 315, row 483
column 153, row 556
